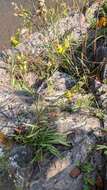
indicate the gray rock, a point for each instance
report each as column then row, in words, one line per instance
column 55, row 174
column 4, row 79
column 77, row 121
column 56, row 86
column 14, row 105
column 101, row 53
column 20, row 166
column 30, row 78
column 21, row 155
column 83, row 131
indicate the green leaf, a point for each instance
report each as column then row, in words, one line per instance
column 101, row 147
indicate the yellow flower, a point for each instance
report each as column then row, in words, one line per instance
column 14, row 41
column 69, row 94
column 60, row 49
column 21, row 57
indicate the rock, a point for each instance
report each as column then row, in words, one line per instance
column 61, row 184
column 21, row 155
column 13, row 110
column 54, row 174
column 79, row 121
column 20, row 166
column 101, row 53
column 81, row 128
column 57, row 167
column 30, row 78
column 6, row 183
column 4, row 79
column 56, row 86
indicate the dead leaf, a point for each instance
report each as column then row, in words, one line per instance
column 99, row 183
column 4, row 140
column 53, row 114
column 101, row 22
column 75, row 172
column 92, row 188
column 20, row 130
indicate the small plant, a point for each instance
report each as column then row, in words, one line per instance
column 4, row 164
column 15, row 40
column 76, row 89
column 23, row 13
column 87, row 168
column 99, row 113
column 103, row 146
column 18, row 68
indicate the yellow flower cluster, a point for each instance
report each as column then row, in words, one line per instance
column 69, row 94
column 15, row 40
column 22, row 62
column 61, row 48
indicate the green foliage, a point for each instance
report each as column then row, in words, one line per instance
column 21, row 64
column 4, row 163
column 42, row 140
column 84, row 102
column 18, row 68
column 102, row 147
column 103, row 9
column 87, row 169
column 99, row 113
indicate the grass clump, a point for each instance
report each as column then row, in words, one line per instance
column 18, row 68
column 42, row 140
column 41, row 136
